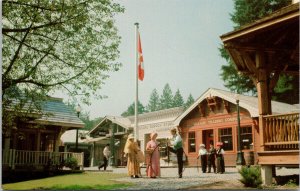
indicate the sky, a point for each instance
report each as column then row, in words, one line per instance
column 180, row 41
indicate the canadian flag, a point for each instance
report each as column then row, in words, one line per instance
column 141, row 60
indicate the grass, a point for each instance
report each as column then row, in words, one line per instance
column 83, row 181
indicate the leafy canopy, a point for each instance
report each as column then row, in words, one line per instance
column 67, row 45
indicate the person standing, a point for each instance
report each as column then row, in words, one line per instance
column 220, row 158
column 131, row 149
column 106, row 154
column 176, row 148
column 153, row 166
column 211, row 156
column 202, row 155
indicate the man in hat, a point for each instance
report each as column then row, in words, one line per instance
column 202, row 154
column 220, row 158
column 176, row 148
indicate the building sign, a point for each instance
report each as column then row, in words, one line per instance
column 214, row 121
column 163, row 126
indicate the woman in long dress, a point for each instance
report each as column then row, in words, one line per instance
column 131, row 149
column 153, row 166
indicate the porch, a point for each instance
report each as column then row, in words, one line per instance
column 38, row 160
column 264, row 50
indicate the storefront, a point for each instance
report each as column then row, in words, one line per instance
column 213, row 118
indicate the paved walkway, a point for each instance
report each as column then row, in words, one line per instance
column 191, row 178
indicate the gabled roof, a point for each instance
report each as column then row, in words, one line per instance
column 249, row 103
column 121, row 121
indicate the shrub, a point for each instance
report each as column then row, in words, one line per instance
column 71, row 162
column 251, row 176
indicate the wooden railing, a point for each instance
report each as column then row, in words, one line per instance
column 13, row 158
column 281, row 131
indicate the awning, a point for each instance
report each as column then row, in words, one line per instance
column 90, row 140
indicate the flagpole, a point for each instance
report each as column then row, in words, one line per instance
column 136, row 82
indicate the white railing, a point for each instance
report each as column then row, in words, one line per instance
column 14, row 157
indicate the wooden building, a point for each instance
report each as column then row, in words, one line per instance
column 213, row 118
column 114, row 130
column 33, row 143
column 263, row 50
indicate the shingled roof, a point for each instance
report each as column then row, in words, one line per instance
column 55, row 112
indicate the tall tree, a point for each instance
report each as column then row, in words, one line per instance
column 178, row 100
column 69, row 46
column 153, row 104
column 190, row 100
column 131, row 109
column 166, row 99
column 246, row 12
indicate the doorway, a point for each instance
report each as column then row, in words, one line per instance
column 208, row 137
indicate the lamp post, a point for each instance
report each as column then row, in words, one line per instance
column 78, row 110
column 240, row 155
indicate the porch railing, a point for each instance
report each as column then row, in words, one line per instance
column 281, row 131
column 13, row 158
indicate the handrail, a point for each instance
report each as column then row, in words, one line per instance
column 281, row 131
column 14, row 157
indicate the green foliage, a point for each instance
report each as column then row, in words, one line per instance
column 69, row 46
column 245, row 12
column 166, row 99
column 248, row 11
column 131, row 109
column 153, row 104
column 251, row 176
column 190, row 100
column 287, row 85
column 71, row 163
column 178, row 100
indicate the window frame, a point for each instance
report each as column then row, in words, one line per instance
column 225, row 135
column 193, row 139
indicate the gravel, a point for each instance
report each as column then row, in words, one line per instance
column 191, row 178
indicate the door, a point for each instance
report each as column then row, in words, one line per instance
column 208, row 137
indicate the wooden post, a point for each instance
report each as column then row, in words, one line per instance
column 264, row 101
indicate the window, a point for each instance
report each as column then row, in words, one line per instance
column 246, row 137
column 192, row 142
column 226, row 137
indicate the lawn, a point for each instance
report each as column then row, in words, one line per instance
column 82, row 181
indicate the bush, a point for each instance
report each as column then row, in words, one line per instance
column 251, row 176
column 71, row 162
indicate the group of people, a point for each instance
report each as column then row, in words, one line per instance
column 132, row 151
column 208, row 158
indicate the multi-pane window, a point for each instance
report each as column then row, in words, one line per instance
column 226, row 137
column 192, row 142
column 246, row 137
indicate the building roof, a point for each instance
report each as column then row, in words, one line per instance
column 121, row 121
column 55, row 112
column 249, row 103
column 276, row 35
column 160, row 116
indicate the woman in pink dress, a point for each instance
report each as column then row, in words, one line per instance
column 153, row 167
